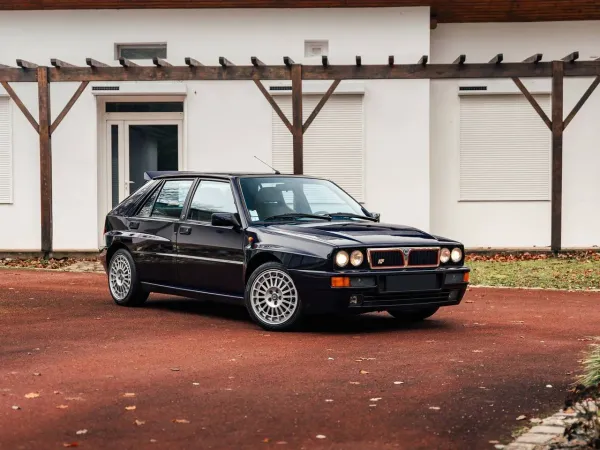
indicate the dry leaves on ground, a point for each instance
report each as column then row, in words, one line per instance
column 71, row 444
column 521, row 417
column 32, row 395
column 139, row 423
column 180, row 421
column 130, row 408
column 62, row 406
column 128, row 395
column 364, row 372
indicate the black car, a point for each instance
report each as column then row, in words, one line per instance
column 283, row 246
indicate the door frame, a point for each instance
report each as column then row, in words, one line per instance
column 104, row 180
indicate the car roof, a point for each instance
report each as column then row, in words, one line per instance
column 156, row 175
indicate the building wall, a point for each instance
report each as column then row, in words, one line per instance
column 516, row 224
column 227, row 123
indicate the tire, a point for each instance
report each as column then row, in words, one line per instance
column 123, row 283
column 272, row 299
column 416, row 315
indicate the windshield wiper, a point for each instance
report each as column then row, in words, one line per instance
column 351, row 215
column 296, row 216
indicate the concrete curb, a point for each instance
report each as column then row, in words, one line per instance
column 541, row 435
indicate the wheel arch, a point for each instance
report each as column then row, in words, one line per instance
column 113, row 249
column 258, row 260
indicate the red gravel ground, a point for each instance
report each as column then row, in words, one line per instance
column 482, row 364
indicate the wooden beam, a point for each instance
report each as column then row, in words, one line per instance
column 424, row 60
column 497, row 59
column 325, row 60
column 460, row 60
column 582, row 101
column 557, row 154
column 45, row 159
column 297, row 133
column 191, row 62
column 16, row 75
column 391, row 60
column 93, row 63
column 58, row 63
column 159, row 62
column 15, row 98
column 224, row 62
column 26, row 64
column 127, row 63
column 273, row 104
column 313, row 72
column 534, row 58
column 571, row 57
column 358, row 61
column 256, row 62
column 68, row 106
column 320, row 105
column 533, row 102
column 288, row 62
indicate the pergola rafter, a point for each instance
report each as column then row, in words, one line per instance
column 193, row 70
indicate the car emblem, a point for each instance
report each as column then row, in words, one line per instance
column 406, row 251
column 380, row 261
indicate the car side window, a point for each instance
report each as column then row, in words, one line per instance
column 171, row 199
column 146, row 209
column 211, row 197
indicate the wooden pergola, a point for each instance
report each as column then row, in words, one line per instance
column 257, row 72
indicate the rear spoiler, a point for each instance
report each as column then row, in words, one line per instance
column 155, row 174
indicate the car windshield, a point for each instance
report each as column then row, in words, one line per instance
column 297, row 199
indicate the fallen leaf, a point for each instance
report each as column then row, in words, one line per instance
column 15, row 407
column 130, row 408
column 128, row 394
column 363, row 372
column 84, row 431
column 372, row 406
column 398, row 382
column 330, row 359
column 328, row 400
column 56, row 392
column 180, row 421
column 494, row 442
column 175, row 369
column 74, row 399
column 521, row 417
column 548, row 385
column 62, row 407
column 154, row 441
column 321, row 436
column 139, row 423
column 266, row 440
column 32, row 395
column 281, row 443
column 376, row 399
column 196, row 384
column 435, row 408
column 36, row 374
column 469, row 301
column 353, row 382
column 71, row 444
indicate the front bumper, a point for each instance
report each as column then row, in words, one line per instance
column 319, row 297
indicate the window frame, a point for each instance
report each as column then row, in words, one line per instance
column 186, row 213
column 148, row 45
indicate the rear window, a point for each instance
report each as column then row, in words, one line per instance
column 126, row 206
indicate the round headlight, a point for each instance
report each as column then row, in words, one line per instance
column 444, row 256
column 356, row 258
column 342, row 258
column 456, row 255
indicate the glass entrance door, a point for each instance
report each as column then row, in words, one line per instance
column 139, row 146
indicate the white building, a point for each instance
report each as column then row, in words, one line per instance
column 467, row 159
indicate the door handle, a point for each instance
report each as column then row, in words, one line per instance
column 134, row 225
column 185, row 230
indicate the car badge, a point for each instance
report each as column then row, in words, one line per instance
column 406, row 251
column 380, row 261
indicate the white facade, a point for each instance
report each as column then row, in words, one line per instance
column 410, row 128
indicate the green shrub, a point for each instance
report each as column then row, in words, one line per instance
column 591, row 367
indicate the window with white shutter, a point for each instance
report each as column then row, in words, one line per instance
column 6, row 170
column 333, row 145
column 504, row 149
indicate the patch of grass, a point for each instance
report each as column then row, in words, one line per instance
column 557, row 273
column 591, row 367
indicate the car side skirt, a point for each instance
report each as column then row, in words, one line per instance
column 192, row 293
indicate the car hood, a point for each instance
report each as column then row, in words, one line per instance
column 352, row 233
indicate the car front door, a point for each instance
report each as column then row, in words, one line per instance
column 211, row 258
column 154, row 232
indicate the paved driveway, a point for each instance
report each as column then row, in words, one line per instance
column 454, row 382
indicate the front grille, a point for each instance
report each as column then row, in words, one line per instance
column 386, row 258
column 401, row 257
column 423, row 257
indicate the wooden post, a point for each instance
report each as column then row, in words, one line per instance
column 297, row 129
column 45, row 159
column 558, row 70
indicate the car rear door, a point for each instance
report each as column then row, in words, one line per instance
column 211, row 258
column 154, row 232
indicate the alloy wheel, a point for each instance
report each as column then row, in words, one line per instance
column 274, row 297
column 120, row 277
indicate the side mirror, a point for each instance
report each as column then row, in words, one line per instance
column 225, row 220
column 376, row 216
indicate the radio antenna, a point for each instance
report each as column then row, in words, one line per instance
column 273, row 169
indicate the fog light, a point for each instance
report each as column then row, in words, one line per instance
column 354, row 300
column 453, row 295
